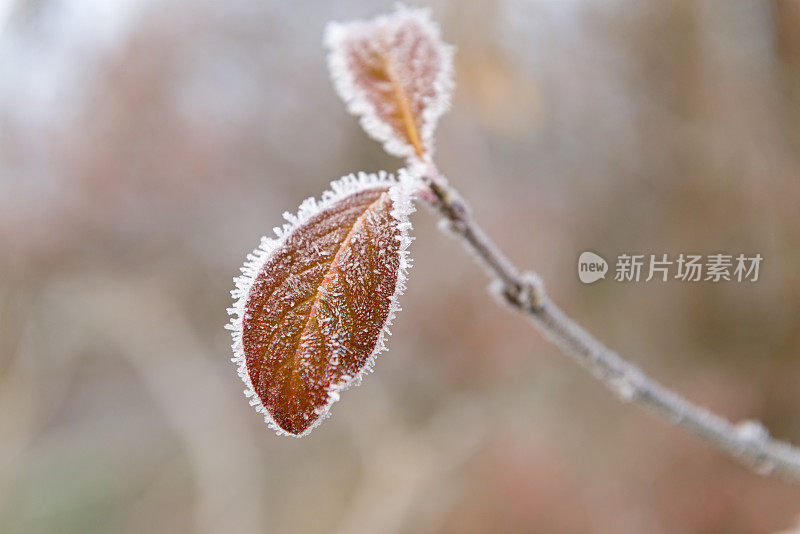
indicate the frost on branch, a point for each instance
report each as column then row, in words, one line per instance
column 395, row 73
column 314, row 304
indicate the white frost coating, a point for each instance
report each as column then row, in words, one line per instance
column 750, row 430
column 337, row 34
column 400, row 192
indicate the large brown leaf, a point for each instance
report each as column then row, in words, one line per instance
column 394, row 72
column 314, row 304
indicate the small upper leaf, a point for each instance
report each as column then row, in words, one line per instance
column 394, row 72
column 314, row 304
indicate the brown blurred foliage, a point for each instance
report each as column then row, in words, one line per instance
column 145, row 147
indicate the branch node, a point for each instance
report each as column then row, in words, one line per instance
column 533, row 289
column 752, row 431
column 525, row 293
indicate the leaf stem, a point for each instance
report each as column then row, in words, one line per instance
column 748, row 441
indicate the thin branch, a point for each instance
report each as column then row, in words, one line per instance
column 748, row 441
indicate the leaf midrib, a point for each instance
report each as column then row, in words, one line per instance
column 401, row 99
column 312, row 314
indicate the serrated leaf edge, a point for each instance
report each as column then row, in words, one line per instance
column 400, row 191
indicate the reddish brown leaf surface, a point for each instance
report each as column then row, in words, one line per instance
column 315, row 310
column 394, row 72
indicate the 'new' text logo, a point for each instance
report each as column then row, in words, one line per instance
column 591, row 267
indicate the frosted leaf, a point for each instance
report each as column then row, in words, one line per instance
column 395, row 73
column 313, row 306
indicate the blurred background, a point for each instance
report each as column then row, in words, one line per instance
column 146, row 146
